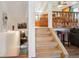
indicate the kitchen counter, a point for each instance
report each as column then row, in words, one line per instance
column 62, row 29
column 65, row 31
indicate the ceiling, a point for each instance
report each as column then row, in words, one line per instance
column 21, row 7
column 43, row 6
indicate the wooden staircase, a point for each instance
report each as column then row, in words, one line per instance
column 43, row 21
column 47, row 45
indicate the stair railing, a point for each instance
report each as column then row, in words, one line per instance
column 64, row 53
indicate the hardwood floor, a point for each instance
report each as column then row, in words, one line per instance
column 73, row 51
column 20, row 56
column 23, row 54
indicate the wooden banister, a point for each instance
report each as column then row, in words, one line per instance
column 64, row 53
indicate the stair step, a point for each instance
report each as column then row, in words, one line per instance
column 43, row 33
column 49, row 56
column 49, row 53
column 42, row 29
column 48, row 38
column 44, row 40
column 49, row 50
column 48, row 44
column 53, row 55
column 44, row 37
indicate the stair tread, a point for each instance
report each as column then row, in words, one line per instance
column 49, row 52
column 45, row 29
column 43, row 39
column 49, row 55
column 53, row 53
column 49, row 49
column 43, row 33
column 46, row 46
column 47, row 43
column 44, row 36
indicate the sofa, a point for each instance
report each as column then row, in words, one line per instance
column 74, row 36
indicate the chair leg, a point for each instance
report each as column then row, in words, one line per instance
column 63, row 40
column 68, row 40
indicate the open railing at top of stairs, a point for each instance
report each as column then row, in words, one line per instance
column 65, row 53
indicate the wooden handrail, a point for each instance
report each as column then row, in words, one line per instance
column 65, row 53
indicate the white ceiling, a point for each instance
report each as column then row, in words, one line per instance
column 56, row 8
column 20, row 7
column 43, row 5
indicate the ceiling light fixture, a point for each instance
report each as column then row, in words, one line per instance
column 62, row 4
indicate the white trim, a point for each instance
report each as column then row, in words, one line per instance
column 31, row 30
column 49, row 14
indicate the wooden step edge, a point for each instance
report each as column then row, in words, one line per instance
column 48, row 49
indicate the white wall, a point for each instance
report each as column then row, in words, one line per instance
column 16, row 12
column 0, row 17
column 31, row 31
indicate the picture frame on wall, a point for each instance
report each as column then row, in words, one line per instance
column 22, row 26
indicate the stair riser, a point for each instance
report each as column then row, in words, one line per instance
column 42, row 29
column 48, row 51
column 48, row 56
column 43, row 33
column 44, row 40
column 45, row 45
